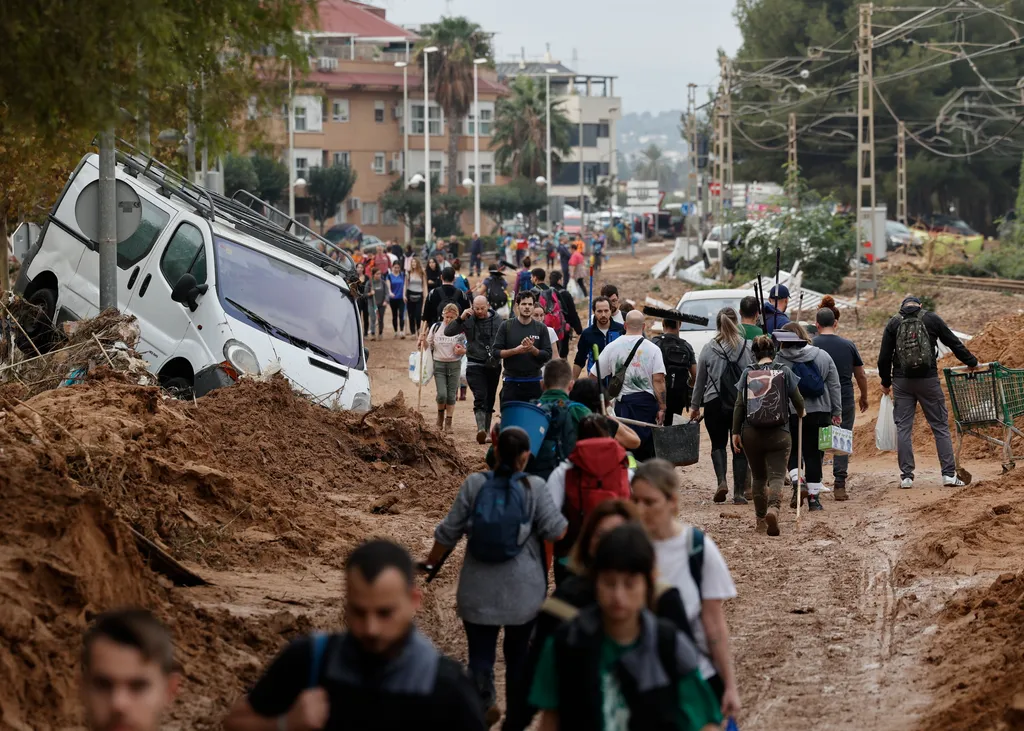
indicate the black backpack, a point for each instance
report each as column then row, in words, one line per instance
column 496, row 296
column 679, row 358
column 727, row 385
column 444, row 299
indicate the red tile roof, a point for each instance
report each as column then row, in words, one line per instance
column 342, row 16
column 383, row 80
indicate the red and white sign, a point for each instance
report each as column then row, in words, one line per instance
column 715, row 188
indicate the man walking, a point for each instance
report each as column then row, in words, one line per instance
column 908, row 370
column 523, row 344
column 564, row 254
column 379, row 674
column 612, row 293
column 849, row 365
column 775, row 317
column 748, row 318
column 643, row 396
column 495, row 289
column 680, row 369
column 476, row 255
column 603, row 331
column 480, row 324
column 442, row 295
column 569, row 311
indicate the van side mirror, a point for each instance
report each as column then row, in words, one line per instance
column 187, row 291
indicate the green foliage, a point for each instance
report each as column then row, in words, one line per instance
column 446, row 212
column 823, row 243
column 405, row 204
column 503, row 202
column 601, row 195
column 408, row 205
column 326, row 188
column 240, row 174
column 1006, row 262
column 272, row 175
column 520, row 130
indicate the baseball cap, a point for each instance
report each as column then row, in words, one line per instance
column 779, row 292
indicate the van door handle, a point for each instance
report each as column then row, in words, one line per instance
column 133, row 277
column 145, row 285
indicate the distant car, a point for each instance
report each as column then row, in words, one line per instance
column 706, row 303
column 713, row 244
column 948, row 224
column 899, row 237
column 344, row 232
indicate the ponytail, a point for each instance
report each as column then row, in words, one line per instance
column 728, row 328
column 512, row 443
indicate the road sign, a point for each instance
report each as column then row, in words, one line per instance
column 715, row 188
column 128, row 211
column 642, row 196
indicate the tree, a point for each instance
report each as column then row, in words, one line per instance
column 406, row 204
column 520, row 131
column 327, row 188
column 272, row 175
column 459, row 42
column 521, row 196
column 651, row 164
column 446, row 213
column 601, row 194
column 240, row 174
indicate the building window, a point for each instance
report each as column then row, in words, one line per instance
column 486, row 174
column 486, row 117
column 603, row 129
column 590, row 135
column 300, row 119
column 378, row 112
column 435, row 120
column 389, row 218
column 417, row 119
column 370, row 217
column 435, row 172
column 436, row 125
column 396, row 165
column 342, row 158
column 301, row 167
column 339, row 110
column 378, row 163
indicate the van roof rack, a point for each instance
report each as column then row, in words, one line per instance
column 254, row 221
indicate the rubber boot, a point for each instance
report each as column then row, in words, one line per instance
column 440, row 420
column 462, row 393
column 720, row 460
column 481, row 427
column 772, row 521
column 448, row 425
column 839, row 491
column 488, row 698
column 739, row 478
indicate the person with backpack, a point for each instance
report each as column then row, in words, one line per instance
column 442, row 296
column 760, row 428
column 907, row 367
column 495, row 289
column 602, row 331
column 637, row 370
column 505, row 515
column 550, row 301
column 524, row 278
column 447, row 351
column 568, row 311
column 691, row 562
column 823, row 405
column 850, row 366
column 380, row 674
column 524, row 346
column 775, row 317
column 564, row 417
column 483, row 370
column 719, row 368
column 538, row 316
column 680, row 369
column 587, row 391
column 615, row 664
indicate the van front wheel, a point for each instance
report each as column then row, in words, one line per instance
column 179, row 387
column 36, row 320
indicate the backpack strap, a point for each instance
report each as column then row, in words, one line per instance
column 666, row 641
column 319, row 645
column 697, row 557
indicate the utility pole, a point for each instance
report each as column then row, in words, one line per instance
column 716, row 170
column 693, row 182
column 107, row 221
column 901, row 173
column 726, row 119
column 865, row 146
column 792, row 174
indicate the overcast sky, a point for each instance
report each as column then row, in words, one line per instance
column 654, row 47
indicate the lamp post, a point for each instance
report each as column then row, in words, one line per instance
column 413, row 182
column 404, row 65
column 547, row 120
column 291, row 144
column 476, row 142
column 426, row 140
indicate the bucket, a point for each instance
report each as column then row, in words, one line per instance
column 678, row 444
column 527, row 417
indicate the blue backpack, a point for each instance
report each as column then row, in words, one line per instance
column 502, row 512
column 812, row 385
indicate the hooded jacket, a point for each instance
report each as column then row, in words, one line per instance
column 938, row 331
column 479, row 335
column 831, row 401
column 711, row 366
column 774, row 319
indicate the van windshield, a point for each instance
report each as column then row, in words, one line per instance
column 289, row 303
column 705, row 308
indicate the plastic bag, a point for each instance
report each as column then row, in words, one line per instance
column 462, row 369
column 574, row 289
column 885, row 427
column 421, row 373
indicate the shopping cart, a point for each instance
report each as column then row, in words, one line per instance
column 986, row 399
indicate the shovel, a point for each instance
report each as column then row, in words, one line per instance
column 799, row 465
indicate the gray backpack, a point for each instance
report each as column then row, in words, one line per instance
column 913, row 344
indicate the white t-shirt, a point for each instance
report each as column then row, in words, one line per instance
column 674, row 568
column 554, row 341
column 556, row 483
column 647, row 363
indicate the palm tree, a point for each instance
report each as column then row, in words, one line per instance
column 458, row 41
column 520, row 131
column 651, row 165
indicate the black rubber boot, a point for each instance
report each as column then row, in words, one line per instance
column 720, row 460
column 481, row 426
column 739, row 478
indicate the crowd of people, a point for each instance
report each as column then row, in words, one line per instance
column 609, row 607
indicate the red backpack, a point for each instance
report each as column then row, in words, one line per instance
column 553, row 315
column 600, row 472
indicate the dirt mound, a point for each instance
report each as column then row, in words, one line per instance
column 997, row 342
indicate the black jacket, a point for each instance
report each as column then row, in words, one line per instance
column 480, row 334
column 433, row 310
column 569, row 309
column 938, row 331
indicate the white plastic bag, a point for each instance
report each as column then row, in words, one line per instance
column 421, row 372
column 885, row 427
column 462, row 369
column 574, row 289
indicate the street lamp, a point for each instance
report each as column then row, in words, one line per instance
column 426, row 140
column 547, row 119
column 476, row 140
column 404, row 65
column 291, row 143
column 299, row 182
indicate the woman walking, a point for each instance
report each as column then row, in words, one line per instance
column 447, row 352
column 415, row 287
column 760, row 428
column 396, row 297
column 364, row 294
column 656, row 493
column 503, row 579
column 719, row 368
column 823, row 404
column 578, row 268
column 433, row 275
column 378, row 303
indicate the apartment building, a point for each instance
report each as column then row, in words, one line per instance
column 349, row 109
column 592, row 108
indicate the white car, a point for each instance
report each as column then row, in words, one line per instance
column 707, row 303
column 713, row 244
column 217, row 288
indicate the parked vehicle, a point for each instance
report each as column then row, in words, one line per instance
column 899, row 237
column 715, row 243
column 706, row 303
column 948, row 225
column 218, row 289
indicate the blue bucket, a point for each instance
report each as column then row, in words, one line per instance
column 527, row 417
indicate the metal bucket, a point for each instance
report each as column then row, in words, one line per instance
column 678, row 444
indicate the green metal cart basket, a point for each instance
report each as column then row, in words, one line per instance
column 990, row 397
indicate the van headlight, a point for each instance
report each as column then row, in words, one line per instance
column 242, row 358
column 361, row 402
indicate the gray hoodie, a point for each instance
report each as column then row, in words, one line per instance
column 711, row 368
column 831, row 401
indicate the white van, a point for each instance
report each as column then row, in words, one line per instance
column 217, row 288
